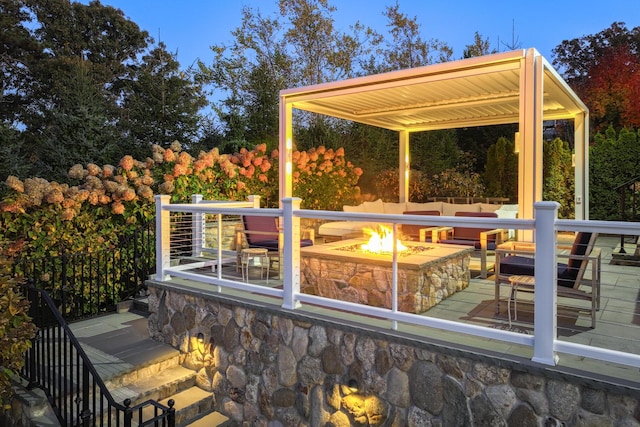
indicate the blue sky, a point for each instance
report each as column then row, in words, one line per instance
column 190, row 27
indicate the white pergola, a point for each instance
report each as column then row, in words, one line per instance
column 512, row 87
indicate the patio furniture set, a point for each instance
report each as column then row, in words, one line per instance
column 259, row 242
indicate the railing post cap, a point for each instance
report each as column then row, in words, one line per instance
column 547, row 205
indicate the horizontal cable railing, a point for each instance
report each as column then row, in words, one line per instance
column 58, row 365
column 388, row 293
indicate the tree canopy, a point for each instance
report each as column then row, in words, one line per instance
column 604, row 69
column 84, row 84
column 81, row 84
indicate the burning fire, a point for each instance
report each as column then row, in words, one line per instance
column 381, row 241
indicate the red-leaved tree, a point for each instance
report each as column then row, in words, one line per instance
column 612, row 91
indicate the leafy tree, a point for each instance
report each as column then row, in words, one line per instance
column 321, row 53
column 406, row 48
column 375, row 147
column 77, row 89
column 614, row 96
column 18, row 48
column 479, row 47
column 63, row 68
column 435, row 151
column 76, row 129
column 252, row 71
column 10, row 161
column 603, row 69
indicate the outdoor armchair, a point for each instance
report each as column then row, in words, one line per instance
column 419, row 233
column 263, row 232
column 517, row 258
column 483, row 240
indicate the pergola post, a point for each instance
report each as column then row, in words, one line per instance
column 581, row 138
column 403, row 179
column 286, row 149
column 530, row 155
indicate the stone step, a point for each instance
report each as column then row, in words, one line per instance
column 141, row 305
column 138, row 305
column 150, row 369
column 157, row 387
column 212, row 419
column 190, row 404
column 31, row 406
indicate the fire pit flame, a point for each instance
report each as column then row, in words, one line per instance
column 381, row 241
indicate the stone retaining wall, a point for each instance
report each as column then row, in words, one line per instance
column 270, row 368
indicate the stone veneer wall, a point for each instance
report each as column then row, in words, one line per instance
column 228, row 234
column 270, row 368
column 366, row 283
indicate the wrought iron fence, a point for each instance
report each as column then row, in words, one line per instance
column 87, row 283
column 58, row 365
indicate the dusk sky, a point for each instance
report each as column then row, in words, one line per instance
column 190, row 27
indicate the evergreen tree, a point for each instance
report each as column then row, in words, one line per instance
column 501, row 170
column 161, row 104
column 76, row 129
column 614, row 160
column 558, row 176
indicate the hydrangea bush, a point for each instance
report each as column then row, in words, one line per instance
column 108, row 201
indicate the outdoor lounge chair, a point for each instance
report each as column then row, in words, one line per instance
column 418, row 232
column 263, row 232
column 483, row 240
column 517, row 258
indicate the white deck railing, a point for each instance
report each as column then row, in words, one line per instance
column 174, row 244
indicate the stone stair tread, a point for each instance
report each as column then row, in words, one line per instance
column 213, row 419
column 166, row 378
column 189, row 403
column 45, row 421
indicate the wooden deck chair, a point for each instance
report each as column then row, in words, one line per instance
column 518, row 258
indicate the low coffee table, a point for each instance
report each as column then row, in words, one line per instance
column 254, row 257
column 518, row 281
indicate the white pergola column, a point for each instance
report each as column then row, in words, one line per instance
column 286, row 149
column 581, row 138
column 530, row 157
column 405, row 167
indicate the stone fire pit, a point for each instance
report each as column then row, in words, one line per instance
column 426, row 275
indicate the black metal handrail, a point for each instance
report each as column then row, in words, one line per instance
column 58, row 365
column 90, row 283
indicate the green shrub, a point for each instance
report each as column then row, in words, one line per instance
column 16, row 331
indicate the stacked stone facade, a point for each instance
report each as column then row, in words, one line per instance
column 265, row 367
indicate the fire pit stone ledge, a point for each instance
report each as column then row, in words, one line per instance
column 424, row 277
